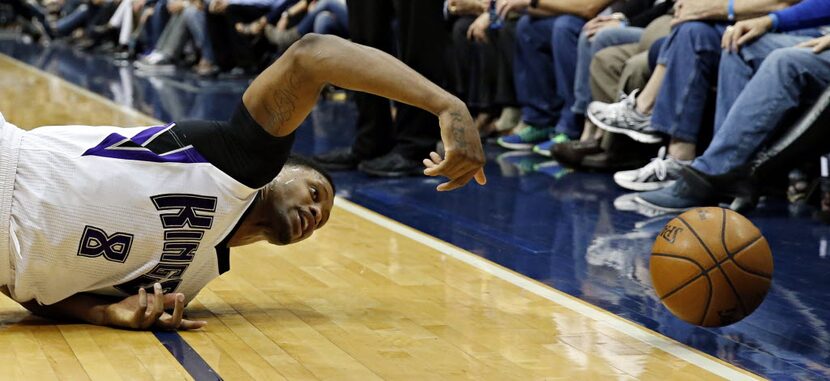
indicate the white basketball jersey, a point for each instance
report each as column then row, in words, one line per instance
column 108, row 210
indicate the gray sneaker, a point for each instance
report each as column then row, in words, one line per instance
column 623, row 118
column 660, row 173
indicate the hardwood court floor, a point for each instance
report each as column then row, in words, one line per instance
column 364, row 299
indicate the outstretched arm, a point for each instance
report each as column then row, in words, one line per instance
column 284, row 94
column 141, row 311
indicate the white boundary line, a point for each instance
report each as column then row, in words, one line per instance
column 583, row 308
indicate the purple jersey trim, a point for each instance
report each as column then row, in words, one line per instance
column 116, row 146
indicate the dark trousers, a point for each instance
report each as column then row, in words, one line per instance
column 422, row 41
column 231, row 48
column 483, row 72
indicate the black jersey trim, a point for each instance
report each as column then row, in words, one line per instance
column 240, row 148
column 223, row 251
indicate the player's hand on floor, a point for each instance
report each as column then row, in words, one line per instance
column 464, row 159
column 143, row 311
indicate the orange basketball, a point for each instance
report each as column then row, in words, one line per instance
column 711, row 267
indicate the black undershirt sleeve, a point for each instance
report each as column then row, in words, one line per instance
column 241, row 148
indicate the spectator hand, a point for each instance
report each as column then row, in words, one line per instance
column 138, row 5
column 504, row 7
column 745, row 31
column 218, row 6
column 282, row 24
column 144, row 311
column 464, row 159
column 818, row 44
column 601, row 22
column 690, row 10
column 175, row 6
column 478, row 29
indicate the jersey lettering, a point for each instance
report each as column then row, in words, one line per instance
column 185, row 219
column 95, row 243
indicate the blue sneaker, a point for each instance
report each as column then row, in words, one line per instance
column 690, row 191
column 526, row 138
column 546, row 148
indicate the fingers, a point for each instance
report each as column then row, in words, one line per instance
column 138, row 316
column 457, row 182
column 192, row 324
column 753, row 34
column 158, row 306
column 822, row 45
column 481, row 179
column 173, row 321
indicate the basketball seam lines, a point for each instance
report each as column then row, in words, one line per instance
column 731, row 256
column 703, row 272
column 717, row 264
column 728, row 257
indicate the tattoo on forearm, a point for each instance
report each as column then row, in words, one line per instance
column 457, row 130
column 283, row 103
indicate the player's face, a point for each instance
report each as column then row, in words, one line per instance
column 300, row 202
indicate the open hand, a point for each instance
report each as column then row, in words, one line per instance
column 464, row 155
column 478, row 29
column 504, row 7
column 144, row 311
column 599, row 23
column 690, row 10
column 818, row 44
column 745, row 31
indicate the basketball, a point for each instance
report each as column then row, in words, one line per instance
column 711, row 267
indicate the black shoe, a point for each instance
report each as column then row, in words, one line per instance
column 392, row 164
column 571, row 153
column 342, row 159
column 612, row 162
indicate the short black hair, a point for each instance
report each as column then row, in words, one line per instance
column 302, row 161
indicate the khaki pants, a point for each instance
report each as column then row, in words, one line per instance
column 624, row 68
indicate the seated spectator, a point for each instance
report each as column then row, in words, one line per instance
column 319, row 16
column 687, row 71
column 615, row 70
column 483, row 46
column 34, row 16
column 234, row 49
column 85, row 15
column 187, row 22
column 791, row 71
column 621, row 28
column 545, row 67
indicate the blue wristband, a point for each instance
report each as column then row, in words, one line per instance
column 730, row 9
column 775, row 21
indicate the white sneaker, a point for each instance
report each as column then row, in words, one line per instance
column 623, row 118
column 660, row 173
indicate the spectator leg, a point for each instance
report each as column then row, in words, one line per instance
column 565, row 36
column 691, row 56
column 423, row 38
column 785, row 79
column 587, row 49
column 533, row 72
column 742, row 66
column 196, row 21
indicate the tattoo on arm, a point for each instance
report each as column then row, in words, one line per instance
column 457, row 130
column 282, row 104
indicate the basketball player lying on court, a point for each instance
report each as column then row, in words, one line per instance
column 94, row 217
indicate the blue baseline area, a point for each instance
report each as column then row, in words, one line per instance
column 558, row 227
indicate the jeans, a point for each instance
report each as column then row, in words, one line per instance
column 587, row 48
column 545, row 76
column 691, row 55
column 328, row 17
column 196, row 20
column 155, row 25
column 74, row 19
column 785, row 80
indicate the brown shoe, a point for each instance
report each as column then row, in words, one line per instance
column 571, row 153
